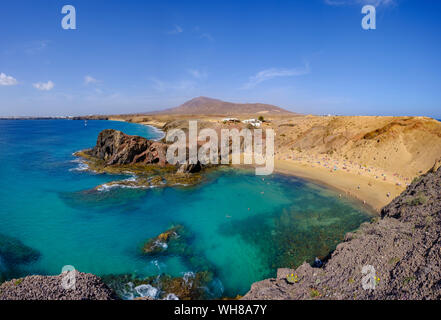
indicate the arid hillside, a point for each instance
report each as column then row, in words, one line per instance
column 209, row 106
column 407, row 146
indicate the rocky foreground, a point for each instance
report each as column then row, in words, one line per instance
column 87, row 287
column 403, row 247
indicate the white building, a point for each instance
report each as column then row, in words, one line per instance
column 255, row 123
column 230, row 120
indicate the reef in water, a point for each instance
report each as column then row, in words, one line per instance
column 190, row 286
column 141, row 175
column 14, row 254
column 177, row 241
column 161, row 243
column 291, row 237
column 200, row 283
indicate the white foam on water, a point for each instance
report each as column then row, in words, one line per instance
column 188, row 278
column 128, row 294
column 156, row 264
column 146, row 290
column 161, row 244
column 107, row 187
column 158, row 131
column 171, row 296
column 82, row 166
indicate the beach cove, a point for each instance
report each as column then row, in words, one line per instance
column 240, row 227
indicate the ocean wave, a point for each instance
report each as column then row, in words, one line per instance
column 161, row 244
column 171, row 296
column 188, row 278
column 108, row 187
column 147, row 291
column 82, row 166
column 121, row 184
column 158, row 131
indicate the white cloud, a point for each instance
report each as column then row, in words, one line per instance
column 197, row 73
column 207, row 36
column 376, row 3
column 203, row 35
column 35, row 47
column 44, row 86
column 165, row 86
column 7, row 80
column 272, row 73
column 334, row 2
column 177, row 30
column 89, row 79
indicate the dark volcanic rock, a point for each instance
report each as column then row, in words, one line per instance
column 190, row 168
column 115, row 147
column 403, row 247
column 87, row 287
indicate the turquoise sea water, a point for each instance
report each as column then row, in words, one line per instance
column 242, row 226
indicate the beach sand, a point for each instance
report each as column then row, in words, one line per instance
column 370, row 158
column 362, row 187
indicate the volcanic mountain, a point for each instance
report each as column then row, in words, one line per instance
column 209, row 106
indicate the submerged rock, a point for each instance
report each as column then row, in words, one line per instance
column 14, row 254
column 395, row 257
column 162, row 241
column 191, row 286
column 87, row 287
column 143, row 159
column 146, row 181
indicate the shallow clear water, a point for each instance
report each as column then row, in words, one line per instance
column 242, row 226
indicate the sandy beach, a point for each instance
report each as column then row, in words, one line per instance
column 362, row 187
column 370, row 178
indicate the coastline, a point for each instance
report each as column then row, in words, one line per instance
column 371, row 191
column 154, row 125
column 365, row 189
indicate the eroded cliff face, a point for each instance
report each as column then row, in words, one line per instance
column 403, row 246
column 115, row 147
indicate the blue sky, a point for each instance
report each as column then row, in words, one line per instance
column 308, row 56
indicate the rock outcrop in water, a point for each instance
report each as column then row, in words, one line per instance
column 144, row 160
column 396, row 257
column 190, row 286
column 115, row 147
column 87, row 287
column 161, row 242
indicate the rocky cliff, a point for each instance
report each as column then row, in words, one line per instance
column 115, row 147
column 398, row 256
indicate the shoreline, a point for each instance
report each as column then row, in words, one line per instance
column 369, row 191
column 363, row 188
column 156, row 127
